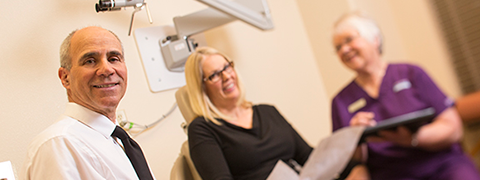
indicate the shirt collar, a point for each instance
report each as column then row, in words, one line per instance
column 96, row 121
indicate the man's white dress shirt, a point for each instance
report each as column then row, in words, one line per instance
column 79, row 146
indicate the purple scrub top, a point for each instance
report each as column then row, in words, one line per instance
column 405, row 88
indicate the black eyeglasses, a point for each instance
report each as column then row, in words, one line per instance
column 216, row 76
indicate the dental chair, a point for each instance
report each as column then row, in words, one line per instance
column 183, row 168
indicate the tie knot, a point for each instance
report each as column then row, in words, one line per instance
column 120, row 133
column 134, row 153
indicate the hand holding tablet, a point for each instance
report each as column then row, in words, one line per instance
column 412, row 121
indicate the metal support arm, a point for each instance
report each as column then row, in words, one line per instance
column 176, row 48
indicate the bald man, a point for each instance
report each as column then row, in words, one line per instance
column 80, row 145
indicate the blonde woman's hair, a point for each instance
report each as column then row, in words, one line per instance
column 199, row 101
column 365, row 26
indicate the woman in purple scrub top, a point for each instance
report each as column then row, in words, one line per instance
column 383, row 90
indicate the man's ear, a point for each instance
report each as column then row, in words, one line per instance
column 64, row 75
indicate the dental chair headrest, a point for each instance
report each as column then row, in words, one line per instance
column 183, row 102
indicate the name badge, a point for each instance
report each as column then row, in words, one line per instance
column 355, row 106
column 401, row 85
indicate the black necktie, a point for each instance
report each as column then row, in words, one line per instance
column 134, row 153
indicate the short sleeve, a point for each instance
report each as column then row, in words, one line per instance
column 428, row 91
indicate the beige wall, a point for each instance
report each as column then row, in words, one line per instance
column 293, row 66
column 318, row 17
column 278, row 67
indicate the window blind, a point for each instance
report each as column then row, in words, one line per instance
column 460, row 23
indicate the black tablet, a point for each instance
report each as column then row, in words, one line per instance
column 412, row 121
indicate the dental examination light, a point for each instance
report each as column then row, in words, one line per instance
column 176, row 48
column 165, row 49
column 114, row 5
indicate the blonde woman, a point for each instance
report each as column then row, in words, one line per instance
column 231, row 138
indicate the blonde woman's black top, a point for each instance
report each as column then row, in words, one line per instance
column 232, row 152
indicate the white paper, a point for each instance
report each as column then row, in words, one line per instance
column 327, row 160
column 282, row 171
column 6, row 170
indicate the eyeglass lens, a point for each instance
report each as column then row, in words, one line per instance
column 216, row 75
